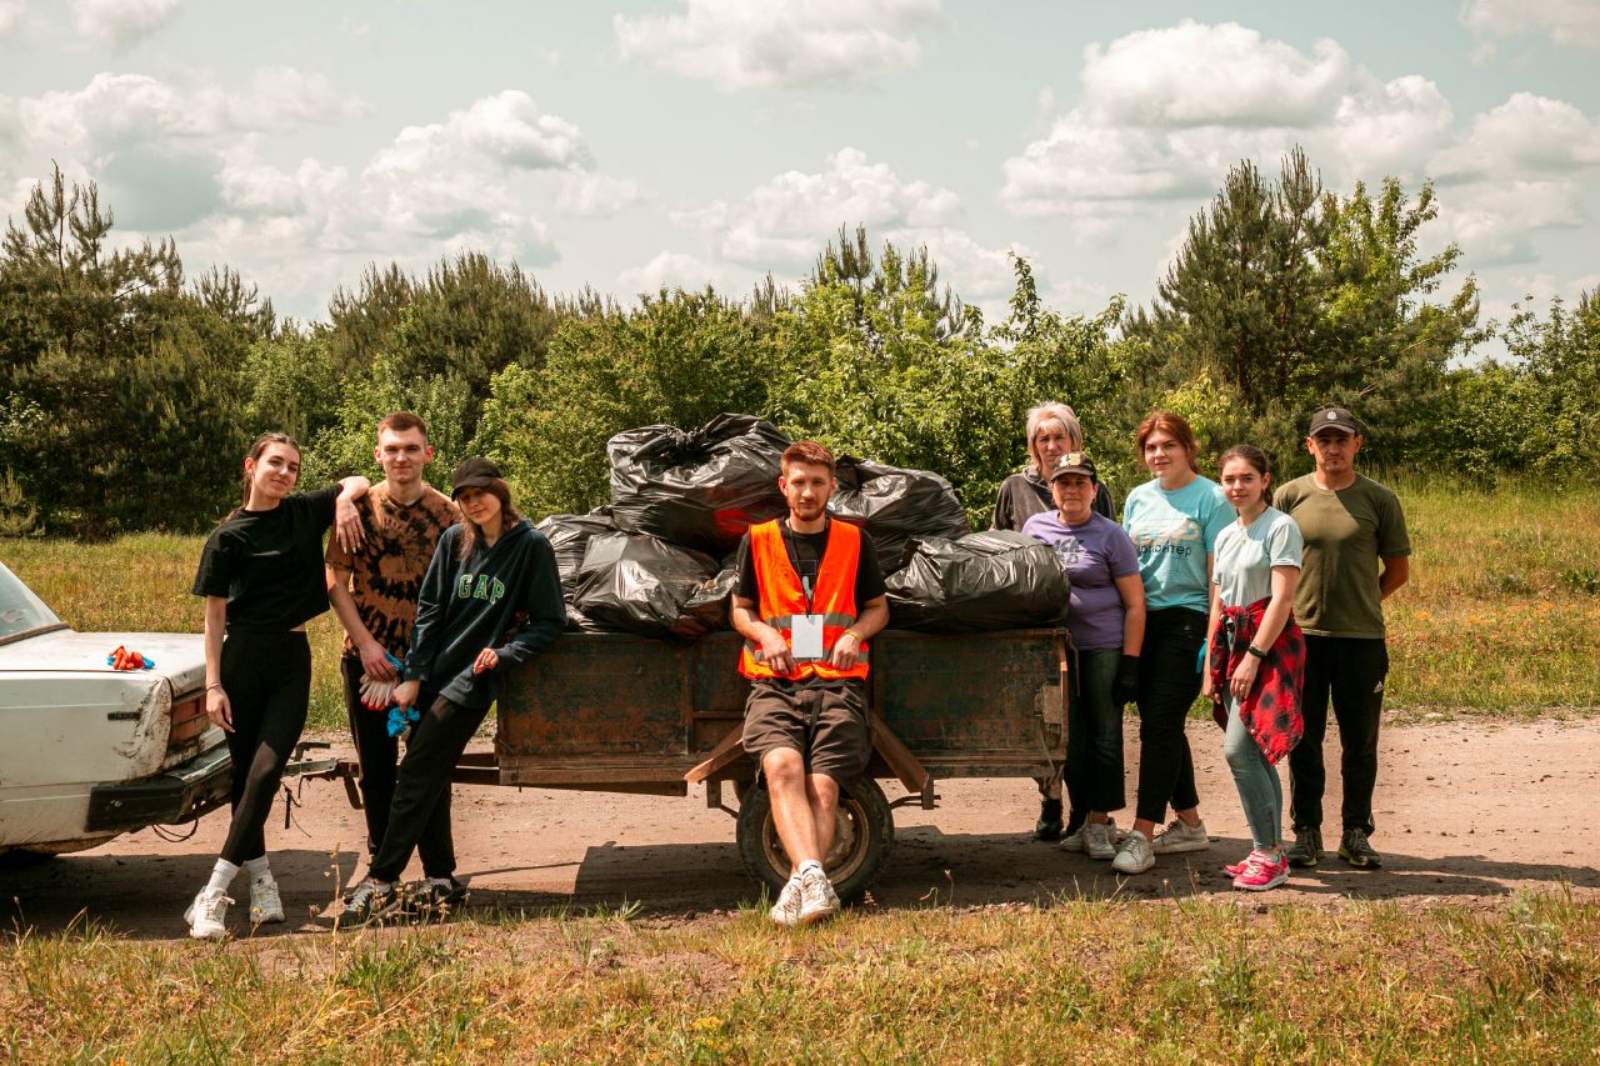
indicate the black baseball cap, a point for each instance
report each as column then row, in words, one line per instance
column 1333, row 418
column 474, row 473
column 1074, row 463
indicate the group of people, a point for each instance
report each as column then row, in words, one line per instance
column 436, row 596
column 1266, row 601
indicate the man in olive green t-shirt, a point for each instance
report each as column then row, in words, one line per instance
column 1356, row 554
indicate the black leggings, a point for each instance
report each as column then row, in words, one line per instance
column 421, row 807
column 267, row 677
column 1169, row 681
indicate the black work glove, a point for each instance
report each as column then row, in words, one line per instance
column 1125, row 689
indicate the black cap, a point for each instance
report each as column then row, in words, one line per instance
column 474, row 473
column 1074, row 463
column 1333, row 418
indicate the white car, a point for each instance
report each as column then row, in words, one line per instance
column 90, row 752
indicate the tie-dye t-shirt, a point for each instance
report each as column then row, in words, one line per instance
column 386, row 571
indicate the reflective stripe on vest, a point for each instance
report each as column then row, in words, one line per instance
column 783, row 597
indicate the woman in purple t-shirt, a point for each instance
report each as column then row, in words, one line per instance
column 1106, row 619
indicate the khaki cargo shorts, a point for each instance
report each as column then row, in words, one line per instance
column 826, row 725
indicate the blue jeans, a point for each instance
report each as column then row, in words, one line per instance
column 1260, row 791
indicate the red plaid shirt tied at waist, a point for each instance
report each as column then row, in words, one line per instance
column 1271, row 709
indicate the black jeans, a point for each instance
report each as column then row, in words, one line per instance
column 1094, row 736
column 421, row 807
column 378, row 753
column 1351, row 670
column 1169, row 681
column 267, row 678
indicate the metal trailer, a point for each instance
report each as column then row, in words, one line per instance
column 613, row 712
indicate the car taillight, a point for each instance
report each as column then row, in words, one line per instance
column 188, row 720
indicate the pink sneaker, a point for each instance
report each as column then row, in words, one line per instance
column 1234, row 869
column 1262, row 870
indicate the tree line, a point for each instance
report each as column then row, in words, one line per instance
column 128, row 391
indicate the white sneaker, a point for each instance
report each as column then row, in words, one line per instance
column 265, row 904
column 817, row 898
column 1135, row 856
column 1073, row 841
column 208, row 914
column 1179, row 837
column 786, row 912
column 1097, row 841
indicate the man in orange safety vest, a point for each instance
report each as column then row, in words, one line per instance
column 810, row 597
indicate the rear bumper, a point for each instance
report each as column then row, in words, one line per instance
column 177, row 795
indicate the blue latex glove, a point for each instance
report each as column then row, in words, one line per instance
column 400, row 719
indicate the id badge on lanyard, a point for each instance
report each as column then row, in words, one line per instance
column 806, row 631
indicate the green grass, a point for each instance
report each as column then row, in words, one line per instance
column 1502, row 616
column 1112, row 982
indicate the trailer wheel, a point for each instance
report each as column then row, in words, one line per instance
column 861, row 841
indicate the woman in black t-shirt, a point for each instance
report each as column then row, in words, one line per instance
column 261, row 574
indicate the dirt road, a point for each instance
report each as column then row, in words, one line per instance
column 1465, row 810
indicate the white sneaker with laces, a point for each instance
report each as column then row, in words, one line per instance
column 1073, row 841
column 817, row 898
column 1097, row 841
column 208, row 914
column 265, row 904
column 786, row 912
column 1179, row 837
column 1135, row 856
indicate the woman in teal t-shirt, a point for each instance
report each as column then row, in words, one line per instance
column 1174, row 521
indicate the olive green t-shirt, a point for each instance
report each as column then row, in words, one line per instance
column 1346, row 532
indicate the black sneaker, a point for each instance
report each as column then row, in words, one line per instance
column 369, row 901
column 1048, row 827
column 442, row 894
column 1354, row 849
column 1306, row 851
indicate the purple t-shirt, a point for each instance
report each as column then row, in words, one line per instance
column 1094, row 555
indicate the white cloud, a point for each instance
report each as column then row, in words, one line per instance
column 597, row 195
column 1193, row 74
column 782, row 224
column 1494, row 221
column 506, row 129
column 11, row 14
column 122, row 21
column 740, row 44
column 117, row 109
column 1570, row 22
column 1528, row 134
column 785, row 222
column 674, row 270
column 1163, row 114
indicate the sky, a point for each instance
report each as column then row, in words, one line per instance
column 631, row 145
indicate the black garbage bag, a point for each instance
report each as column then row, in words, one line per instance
column 994, row 580
column 569, row 535
column 641, row 584
column 708, row 607
column 896, row 506
column 699, row 488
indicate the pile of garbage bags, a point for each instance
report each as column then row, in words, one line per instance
column 661, row 559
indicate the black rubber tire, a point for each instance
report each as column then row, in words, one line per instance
column 860, row 849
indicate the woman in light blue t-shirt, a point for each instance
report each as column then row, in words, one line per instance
column 1257, row 569
column 1174, row 521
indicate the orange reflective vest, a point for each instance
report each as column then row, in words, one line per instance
column 783, row 596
